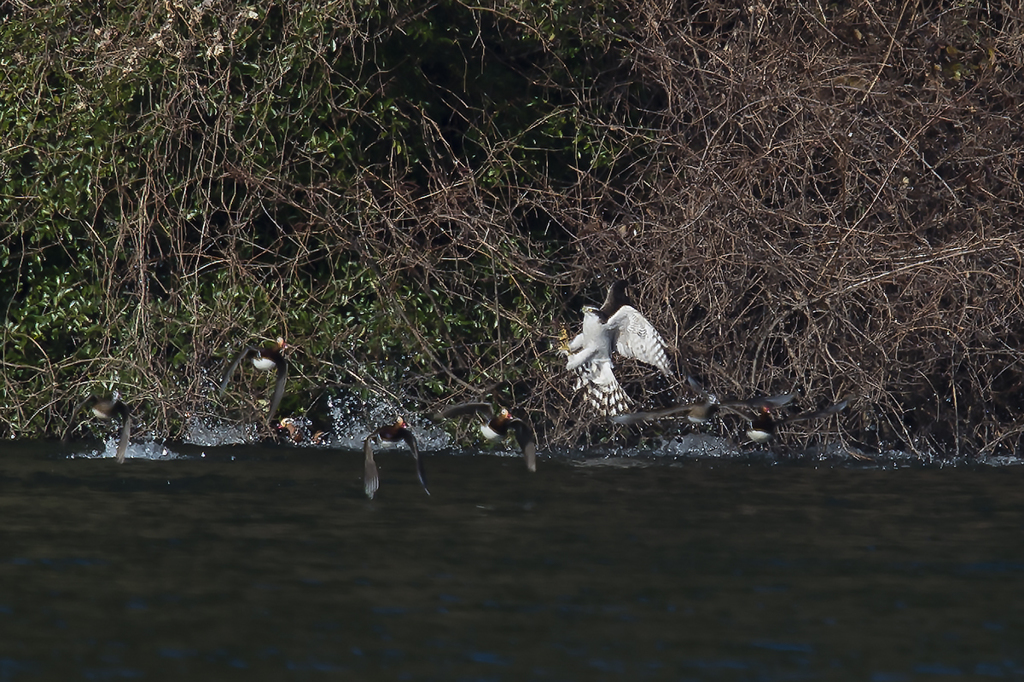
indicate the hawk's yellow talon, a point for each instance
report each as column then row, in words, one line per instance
column 563, row 341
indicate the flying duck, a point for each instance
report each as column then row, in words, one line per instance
column 497, row 427
column 617, row 326
column 263, row 359
column 106, row 410
column 763, row 427
column 698, row 413
column 391, row 434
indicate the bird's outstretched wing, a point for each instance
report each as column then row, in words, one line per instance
column 410, row 440
column 371, row 480
column 126, row 432
column 282, row 378
column 226, row 379
column 701, row 411
column 743, row 408
column 636, row 337
column 464, row 409
column 655, row 415
column 72, row 422
column 817, row 414
column 527, row 441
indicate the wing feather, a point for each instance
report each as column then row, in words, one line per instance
column 527, row 441
column 636, row 337
column 748, row 408
column 371, row 481
column 282, row 378
column 126, row 433
column 818, row 414
column 410, row 440
column 226, row 379
column 464, row 409
column 637, row 417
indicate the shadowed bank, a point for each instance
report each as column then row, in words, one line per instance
column 819, row 200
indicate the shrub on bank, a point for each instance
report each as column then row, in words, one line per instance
column 419, row 197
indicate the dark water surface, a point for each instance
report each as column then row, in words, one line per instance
column 258, row 563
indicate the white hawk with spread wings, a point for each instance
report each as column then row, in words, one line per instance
column 617, row 326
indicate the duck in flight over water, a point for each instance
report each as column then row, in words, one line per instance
column 264, row 359
column 764, row 426
column 698, row 413
column 391, row 433
column 497, row 427
column 107, row 410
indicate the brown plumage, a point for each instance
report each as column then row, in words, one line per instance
column 391, row 434
column 299, row 430
column 700, row 412
column 764, row 426
column 263, row 359
column 497, row 427
column 108, row 409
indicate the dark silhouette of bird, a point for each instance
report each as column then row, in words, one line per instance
column 764, row 426
column 264, row 359
column 107, row 410
column 615, row 326
column 497, row 427
column 700, row 412
column 391, row 433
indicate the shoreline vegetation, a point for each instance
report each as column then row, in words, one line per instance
column 419, row 198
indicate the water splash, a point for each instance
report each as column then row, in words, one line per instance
column 353, row 420
column 211, row 432
column 349, row 420
column 149, row 450
column 698, row 445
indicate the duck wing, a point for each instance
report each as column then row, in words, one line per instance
column 410, row 440
column 749, row 407
column 72, row 423
column 818, row 414
column 371, row 481
column 282, row 378
column 226, row 379
column 654, row 415
column 126, row 431
column 527, row 441
column 464, row 409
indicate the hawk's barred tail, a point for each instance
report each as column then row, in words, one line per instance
column 603, row 390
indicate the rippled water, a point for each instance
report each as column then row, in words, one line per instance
column 253, row 562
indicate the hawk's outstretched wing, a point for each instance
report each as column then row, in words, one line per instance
column 615, row 327
column 635, row 337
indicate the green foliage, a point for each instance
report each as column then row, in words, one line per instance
column 406, row 191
